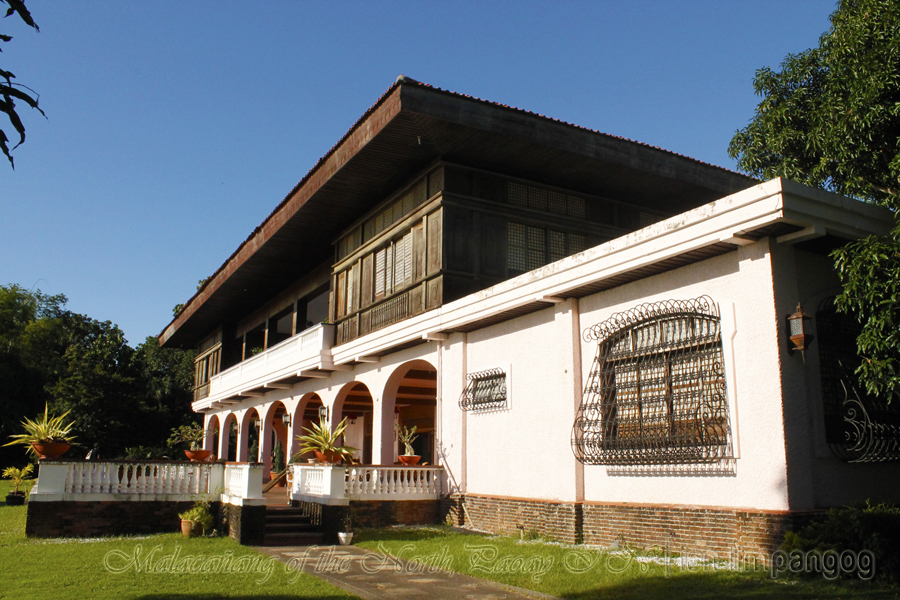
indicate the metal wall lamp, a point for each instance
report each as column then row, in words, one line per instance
column 799, row 331
column 323, row 412
column 286, row 419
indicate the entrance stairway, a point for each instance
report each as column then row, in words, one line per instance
column 288, row 526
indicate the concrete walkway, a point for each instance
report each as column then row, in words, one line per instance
column 375, row 576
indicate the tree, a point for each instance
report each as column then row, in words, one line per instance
column 831, row 119
column 10, row 91
column 119, row 396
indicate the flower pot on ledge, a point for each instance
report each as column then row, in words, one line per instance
column 47, row 450
column 329, row 456
column 198, row 455
column 409, row 459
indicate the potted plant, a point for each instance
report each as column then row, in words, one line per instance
column 192, row 434
column 321, row 440
column 16, row 497
column 48, row 438
column 345, row 535
column 407, row 437
column 196, row 520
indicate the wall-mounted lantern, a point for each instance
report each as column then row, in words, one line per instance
column 256, row 423
column 799, row 331
column 286, row 419
column 323, row 412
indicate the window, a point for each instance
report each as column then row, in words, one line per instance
column 656, row 392
column 486, row 390
column 858, row 427
column 527, row 247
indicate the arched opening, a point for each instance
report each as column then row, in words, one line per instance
column 275, row 447
column 306, row 414
column 411, row 392
column 249, row 437
column 228, row 446
column 211, row 436
column 354, row 403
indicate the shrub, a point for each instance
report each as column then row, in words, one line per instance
column 875, row 528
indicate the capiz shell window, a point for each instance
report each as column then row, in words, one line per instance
column 656, row 391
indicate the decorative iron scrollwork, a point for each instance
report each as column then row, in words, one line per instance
column 656, row 392
column 486, row 390
column 858, row 427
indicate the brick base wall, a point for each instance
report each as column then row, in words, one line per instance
column 246, row 524
column 705, row 531
column 371, row 513
column 93, row 519
column 557, row 521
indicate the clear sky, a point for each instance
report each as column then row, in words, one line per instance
column 174, row 128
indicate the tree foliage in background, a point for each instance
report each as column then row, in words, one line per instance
column 11, row 91
column 831, row 119
column 120, row 397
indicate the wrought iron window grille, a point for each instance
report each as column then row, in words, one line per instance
column 858, row 427
column 655, row 394
column 486, row 390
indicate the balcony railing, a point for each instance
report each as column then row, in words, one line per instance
column 326, row 484
column 307, row 350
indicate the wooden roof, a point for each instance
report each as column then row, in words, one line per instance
column 410, row 127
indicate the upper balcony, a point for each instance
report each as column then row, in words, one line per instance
column 276, row 367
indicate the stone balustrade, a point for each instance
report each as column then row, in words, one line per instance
column 337, row 485
column 63, row 480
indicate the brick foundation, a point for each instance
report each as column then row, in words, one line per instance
column 246, row 524
column 704, row 531
column 724, row 533
column 93, row 519
column 371, row 513
column 557, row 521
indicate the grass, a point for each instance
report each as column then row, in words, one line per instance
column 106, row 568
column 580, row 573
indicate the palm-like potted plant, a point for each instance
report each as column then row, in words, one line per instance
column 47, row 437
column 407, row 436
column 17, row 497
column 321, row 440
column 192, row 434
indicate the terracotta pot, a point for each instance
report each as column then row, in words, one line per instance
column 198, row 455
column 411, row 459
column 329, row 456
column 15, row 498
column 50, row 449
column 187, row 528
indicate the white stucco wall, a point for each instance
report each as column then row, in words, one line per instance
column 523, row 450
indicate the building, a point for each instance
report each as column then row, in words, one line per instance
column 590, row 334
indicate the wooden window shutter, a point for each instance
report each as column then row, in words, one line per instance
column 341, row 295
column 380, row 266
column 435, row 243
column 389, row 270
column 418, row 252
column 353, row 288
column 366, row 281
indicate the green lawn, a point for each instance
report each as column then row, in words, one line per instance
column 575, row 572
column 148, row 568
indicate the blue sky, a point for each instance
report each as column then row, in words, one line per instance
column 174, row 128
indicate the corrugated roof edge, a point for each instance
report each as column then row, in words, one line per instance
column 402, row 79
